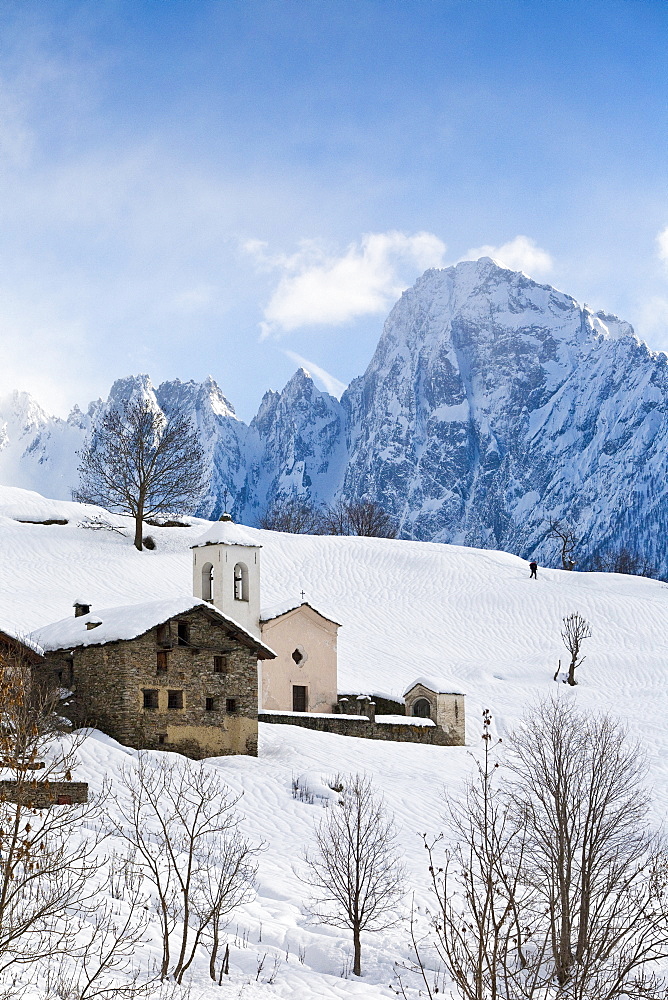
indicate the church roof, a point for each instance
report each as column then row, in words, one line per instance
column 278, row 610
column 227, row 533
column 132, row 620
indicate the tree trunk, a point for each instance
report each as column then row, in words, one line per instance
column 571, row 673
column 357, row 959
column 139, row 527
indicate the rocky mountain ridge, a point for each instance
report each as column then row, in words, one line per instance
column 492, row 404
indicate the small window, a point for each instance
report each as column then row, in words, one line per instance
column 230, row 705
column 297, row 656
column 183, row 633
column 220, row 664
column 162, row 739
column 210, row 704
column 162, row 661
column 175, row 699
column 150, row 699
column 162, row 636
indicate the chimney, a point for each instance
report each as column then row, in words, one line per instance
column 81, row 609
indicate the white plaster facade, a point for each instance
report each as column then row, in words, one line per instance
column 446, row 708
column 306, row 657
column 226, row 572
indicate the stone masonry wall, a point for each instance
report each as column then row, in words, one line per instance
column 109, row 683
column 361, row 727
column 44, row 794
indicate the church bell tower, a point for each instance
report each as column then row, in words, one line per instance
column 226, row 572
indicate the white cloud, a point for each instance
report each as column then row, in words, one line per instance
column 520, row 254
column 331, row 384
column 662, row 244
column 318, row 287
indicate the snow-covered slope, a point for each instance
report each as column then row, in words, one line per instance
column 465, row 617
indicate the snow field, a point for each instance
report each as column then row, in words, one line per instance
column 471, row 619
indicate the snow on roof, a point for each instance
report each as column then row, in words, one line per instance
column 435, row 686
column 276, row 610
column 25, row 640
column 227, row 533
column 129, row 622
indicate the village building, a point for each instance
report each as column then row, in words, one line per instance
column 173, row 674
column 303, row 676
column 426, row 700
column 15, row 649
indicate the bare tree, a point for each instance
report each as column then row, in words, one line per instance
column 482, row 926
column 568, row 541
column 575, row 630
column 354, row 870
column 45, row 867
column 183, row 830
column 358, row 517
column 622, row 561
column 295, row 515
column 140, row 463
column 598, row 873
column 555, row 888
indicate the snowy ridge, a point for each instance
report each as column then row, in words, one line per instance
column 492, row 404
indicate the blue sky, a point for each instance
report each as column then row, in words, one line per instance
column 191, row 187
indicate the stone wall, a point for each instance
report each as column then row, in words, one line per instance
column 360, row 726
column 44, row 794
column 109, row 682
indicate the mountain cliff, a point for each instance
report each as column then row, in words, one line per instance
column 492, row 404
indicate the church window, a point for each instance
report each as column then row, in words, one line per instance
column 422, row 709
column 162, row 661
column 175, row 699
column 230, row 705
column 297, row 656
column 150, row 698
column 219, row 664
column 240, row 582
column 207, row 582
column 183, row 633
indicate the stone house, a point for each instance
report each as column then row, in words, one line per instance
column 173, row 674
column 23, row 650
column 226, row 574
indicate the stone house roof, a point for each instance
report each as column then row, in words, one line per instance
column 98, row 628
column 22, row 645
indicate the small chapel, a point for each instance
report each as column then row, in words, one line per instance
column 303, row 675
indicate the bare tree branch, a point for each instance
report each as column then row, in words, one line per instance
column 139, row 463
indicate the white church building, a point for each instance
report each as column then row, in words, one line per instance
column 226, row 573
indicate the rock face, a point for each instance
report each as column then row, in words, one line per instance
column 492, row 403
